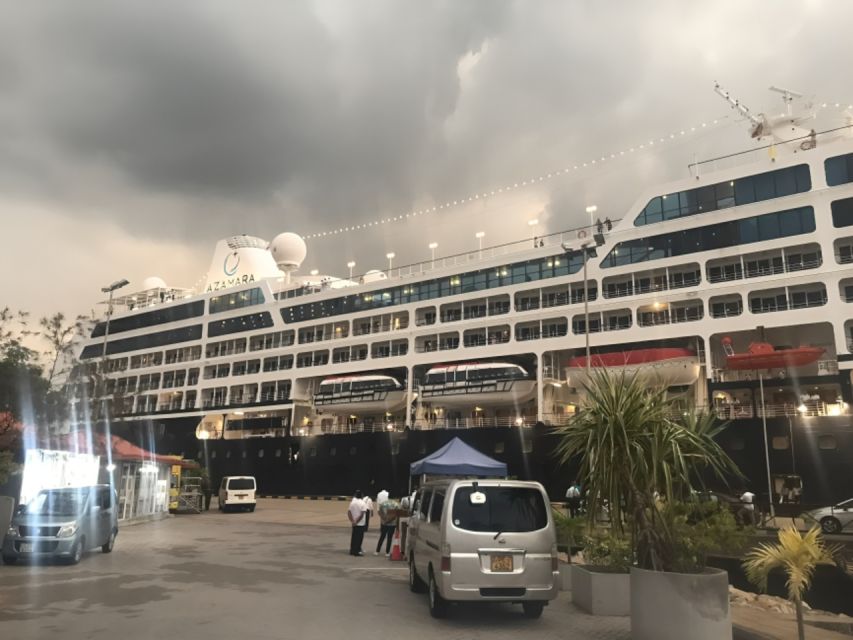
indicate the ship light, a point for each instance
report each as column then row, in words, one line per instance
column 802, row 408
column 519, row 421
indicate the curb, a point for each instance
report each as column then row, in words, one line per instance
column 742, row 633
column 323, row 498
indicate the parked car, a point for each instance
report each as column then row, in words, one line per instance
column 834, row 519
column 237, row 492
column 483, row 540
column 63, row 523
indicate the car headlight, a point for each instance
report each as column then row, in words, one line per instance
column 67, row 530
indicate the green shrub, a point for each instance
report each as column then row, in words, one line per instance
column 608, row 550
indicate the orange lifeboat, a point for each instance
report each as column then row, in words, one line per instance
column 762, row 355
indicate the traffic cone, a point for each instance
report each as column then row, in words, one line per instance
column 396, row 552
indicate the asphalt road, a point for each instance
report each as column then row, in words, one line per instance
column 281, row 572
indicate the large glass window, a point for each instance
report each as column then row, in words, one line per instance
column 143, row 342
column 842, row 213
column 249, row 322
column 231, row 301
column 839, row 170
column 151, row 318
column 764, row 186
column 528, row 271
column 768, row 226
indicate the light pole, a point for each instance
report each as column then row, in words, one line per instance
column 350, row 266
column 432, row 247
column 109, row 289
column 532, row 224
column 480, row 235
column 391, row 255
column 584, row 249
column 766, row 444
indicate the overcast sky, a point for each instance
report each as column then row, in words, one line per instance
column 135, row 135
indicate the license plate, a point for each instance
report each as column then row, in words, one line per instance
column 242, row 495
column 501, row 563
column 27, row 548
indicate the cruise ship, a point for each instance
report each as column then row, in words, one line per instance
column 731, row 287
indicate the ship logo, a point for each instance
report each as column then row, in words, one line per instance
column 236, row 263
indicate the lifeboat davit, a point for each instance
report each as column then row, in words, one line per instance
column 671, row 366
column 762, row 355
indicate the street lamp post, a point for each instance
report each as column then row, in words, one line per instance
column 533, row 224
column 585, row 248
column 591, row 209
column 766, row 444
column 109, row 289
column 350, row 266
column 391, row 255
column 432, row 247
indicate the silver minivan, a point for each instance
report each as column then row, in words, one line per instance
column 63, row 523
column 483, row 540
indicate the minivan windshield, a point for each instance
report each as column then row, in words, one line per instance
column 505, row 509
column 241, row 484
column 58, row 502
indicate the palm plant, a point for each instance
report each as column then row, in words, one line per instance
column 797, row 555
column 632, row 449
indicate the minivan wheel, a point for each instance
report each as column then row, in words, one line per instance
column 830, row 525
column 252, row 509
column 437, row 604
column 77, row 552
column 416, row 585
column 532, row 609
column 10, row 560
column 107, row 547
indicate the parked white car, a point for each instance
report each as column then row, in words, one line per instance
column 834, row 519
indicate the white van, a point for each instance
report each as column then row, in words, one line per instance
column 237, row 492
column 483, row 540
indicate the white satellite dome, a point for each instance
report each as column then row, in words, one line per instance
column 153, row 282
column 288, row 250
column 375, row 275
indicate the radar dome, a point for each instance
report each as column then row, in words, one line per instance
column 288, row 250
column 153, row 282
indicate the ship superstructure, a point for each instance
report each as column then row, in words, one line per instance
column 696, row 271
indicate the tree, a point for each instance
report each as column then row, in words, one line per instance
column 59, row 336
column 11, row 438
column 797, row 555
column 633, row 451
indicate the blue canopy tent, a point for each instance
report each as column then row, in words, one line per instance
column 458, row 459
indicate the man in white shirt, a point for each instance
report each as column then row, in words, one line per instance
column 357, row 514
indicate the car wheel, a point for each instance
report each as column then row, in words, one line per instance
column 10, row 560
column 416, row 585
column 830, row 525
column 107, row 547
column 437, row 604
column 532, row 609
column 77, row 551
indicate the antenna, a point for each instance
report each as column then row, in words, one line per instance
column 787, row 97
column 738, row 105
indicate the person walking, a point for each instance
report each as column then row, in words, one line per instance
column 387, row 524
column 206, row 492
column 573, row 499
column 357, row 514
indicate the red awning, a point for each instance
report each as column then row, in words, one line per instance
column 121, row 449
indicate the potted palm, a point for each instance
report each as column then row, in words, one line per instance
column 634, row 456
column 797, row 555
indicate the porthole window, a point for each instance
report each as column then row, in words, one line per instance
column 737, row 444
column 260, row 453
column 278, row 453
column 333, row 451
column 213, row 454
column 200, row 454
column 353, row 450
column 422, row 448
column 312, row 452
column 826, row 442
column 528, row 446
column 244, row 454
column 395, row 449
column 780, row 443
column 499, row 447
column 227, row 454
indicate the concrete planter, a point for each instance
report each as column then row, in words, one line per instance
column 601, row 591
column 565, row 576
column 674, row 606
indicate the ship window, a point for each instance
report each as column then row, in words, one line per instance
column 842, row 213
column 260, row 453
column 527, row 447
column 716, row 236
column 826, row 442
column 148, row 341
column 499, row 447
column 278, row 453
column 737, row 444
column 249, row 322
column 722, row 195
column 237, row 300
column 213, row 455
column 839, row 170
column 151, row 318
column 780, row 443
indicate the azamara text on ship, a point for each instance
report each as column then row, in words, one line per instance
column 719, row 286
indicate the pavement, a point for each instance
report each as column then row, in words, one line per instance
column 280, row 572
